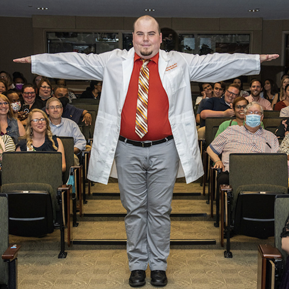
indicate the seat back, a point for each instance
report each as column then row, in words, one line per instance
column 3, row 237
column 32, row 171
column 85, row 101
column 212, row 126
column 258, row 172
column 271, row 113
column 68, row 144
column 281, row 214
column 272, row 123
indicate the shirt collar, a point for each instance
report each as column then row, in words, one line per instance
column 155, row 59
column 57, row 125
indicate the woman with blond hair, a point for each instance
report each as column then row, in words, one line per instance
column 8, row 124
column 281, row 95
column 38, row 136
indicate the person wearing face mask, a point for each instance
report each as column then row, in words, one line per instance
column 249, row 138
column 18, row 80
column 14, row 102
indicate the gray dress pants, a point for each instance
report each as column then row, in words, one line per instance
column 146, row 178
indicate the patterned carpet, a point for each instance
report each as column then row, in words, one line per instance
column 91, row 266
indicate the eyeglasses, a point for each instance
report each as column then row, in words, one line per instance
column 254, row 112
column 4, row 103
column 45, row 87
column 232, row 93
column 240, row 106
column 36, row 120
column 55, row 107
column 28, row 93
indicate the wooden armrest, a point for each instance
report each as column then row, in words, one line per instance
column 64, row 187
column 269, row 251
column 226, row 188
column 89, row 141
column 11, row 253
column 85, row 152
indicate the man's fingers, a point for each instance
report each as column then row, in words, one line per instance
column 268, row 57
column 23, row 60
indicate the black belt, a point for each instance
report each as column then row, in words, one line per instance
column 145, row 144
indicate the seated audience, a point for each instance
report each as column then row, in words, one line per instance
column 37, row 78
column 220, row 107
column 219, row 89
column 281, row 94
column 18, row 80
column 284, row 284
column 93, row 91
column 206, row 91
column 239, row 105
column 44, row 89
column 69, row 111
column 64, row 127
column 6, row 145
column 7, row 77
column 283, row 128
column 62, row 82
column 239, row 82
column 285, row 102
column 249, row 138
column 38, row 136
column 8, row 124
column 15, row 102
column 217, row 107
column 3, row 86
column 29, row 102
column 270, row 90
column 256, row 88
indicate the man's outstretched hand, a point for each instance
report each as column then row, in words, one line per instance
column 268, row 57
column 23, row 60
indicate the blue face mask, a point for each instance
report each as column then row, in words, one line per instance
column 253, row 120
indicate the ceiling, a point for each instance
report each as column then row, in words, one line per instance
column 269, row 9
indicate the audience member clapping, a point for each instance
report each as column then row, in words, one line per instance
column 38, row 136
column 9, row 125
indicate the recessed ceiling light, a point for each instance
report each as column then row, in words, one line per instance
column 42, row 8
column 150, row 10
column 254, row 10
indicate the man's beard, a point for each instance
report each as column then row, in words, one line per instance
column 148, row 53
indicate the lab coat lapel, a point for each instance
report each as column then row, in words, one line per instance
column 127, row 67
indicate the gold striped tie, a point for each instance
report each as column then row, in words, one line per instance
column 141, row 122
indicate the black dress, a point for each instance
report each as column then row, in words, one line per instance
column 46, row 147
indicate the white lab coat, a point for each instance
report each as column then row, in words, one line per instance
column 176, row 70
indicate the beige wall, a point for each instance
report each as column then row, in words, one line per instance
column 25, row 36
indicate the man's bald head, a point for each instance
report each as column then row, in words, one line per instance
column 147, row 17
column 146, row 37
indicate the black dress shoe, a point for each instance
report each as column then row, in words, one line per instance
column 159, row 278
column 137, row 278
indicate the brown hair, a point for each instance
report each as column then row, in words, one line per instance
column 237, row 99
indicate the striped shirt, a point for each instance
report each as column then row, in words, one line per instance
column 238, row 139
